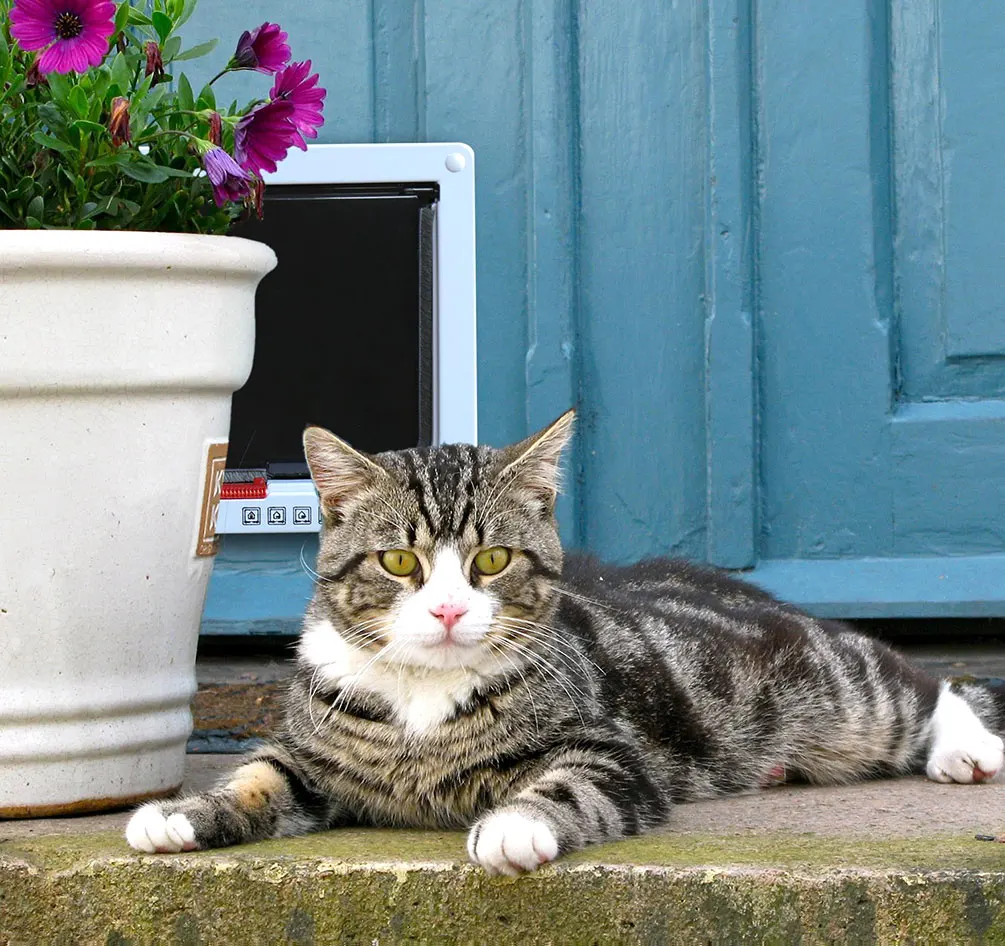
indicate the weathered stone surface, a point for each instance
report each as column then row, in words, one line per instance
column 877, row 862
column 407, row 887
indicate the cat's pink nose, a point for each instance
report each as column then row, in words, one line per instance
column 449, row 614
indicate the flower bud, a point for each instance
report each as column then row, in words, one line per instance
column 215, row 128
column 118, row 120
column 155, row 65
column 32, row 77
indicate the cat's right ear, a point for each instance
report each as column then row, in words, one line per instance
column 339, row 472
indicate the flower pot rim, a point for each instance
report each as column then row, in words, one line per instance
column 22, row 250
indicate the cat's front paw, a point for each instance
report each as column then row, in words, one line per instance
column 154, row 831
column 511, row 843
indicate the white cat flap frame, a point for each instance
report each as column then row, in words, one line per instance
column 455, row 393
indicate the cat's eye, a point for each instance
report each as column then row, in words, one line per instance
column 492, row 561
column 399, row 562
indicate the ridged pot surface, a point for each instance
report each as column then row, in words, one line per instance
column 119, row 353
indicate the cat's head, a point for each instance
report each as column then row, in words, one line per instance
column 443, row 557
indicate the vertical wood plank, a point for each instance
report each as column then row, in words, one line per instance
column 552, row 244
column 476, row 91
column 642, row 275
column 730, row 408
column 398, row 69
column 824, row 374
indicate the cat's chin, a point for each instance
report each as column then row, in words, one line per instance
column 448, row 655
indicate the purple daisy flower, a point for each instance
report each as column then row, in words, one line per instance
column 230, row 181
column 293, row 85
column 264, row 49
column 73, row 33
column 264, row 136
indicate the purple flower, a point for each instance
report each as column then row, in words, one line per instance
column 264, row 49
column 264, row 136
column 230, row 181
column 73, row 33
column 293, row 85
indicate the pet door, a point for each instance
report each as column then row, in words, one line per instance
column 367, row 326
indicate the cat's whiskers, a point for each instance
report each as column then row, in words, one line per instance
column 572, row 691
column 554, row 635
column 552, row 639
column 399, row 518
column 307, row 568
column 558, row 589
column 345, row 694
column 497, row 648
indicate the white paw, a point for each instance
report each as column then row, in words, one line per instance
column 511, row 843
column 975, row 759
column 150, row 831
column 962, row 749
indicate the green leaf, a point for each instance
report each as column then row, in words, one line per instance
column 162, row 23
column 122, row 75
column 4, row 53
column 206, row 98
column 187, row 9
column 138, row 19
column 87, row 225
column 186, row 101
column 105, row 161
column 171, row 47
column 203, row 49
column 55, row 144
column 154, row 98
column 82, row 124
column 121, row 17
column 77, row 100
column 142, row 169
column 33, row 223
column 59, row 86
column 36, row 207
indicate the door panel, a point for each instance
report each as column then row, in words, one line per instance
column 947, row 81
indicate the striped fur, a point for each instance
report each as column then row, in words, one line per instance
column 587, row 701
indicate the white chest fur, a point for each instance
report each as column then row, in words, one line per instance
column 420, row 698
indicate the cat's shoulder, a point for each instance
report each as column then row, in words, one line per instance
column 662, row 575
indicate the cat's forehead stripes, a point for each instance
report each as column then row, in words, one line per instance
column 445, row 483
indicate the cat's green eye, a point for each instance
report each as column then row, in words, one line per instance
column 492, row 561
column 399, row 562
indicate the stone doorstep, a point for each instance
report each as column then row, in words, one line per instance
column 885, row 861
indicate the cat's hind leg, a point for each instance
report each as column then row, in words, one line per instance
column 961, row 748
column 262, row 799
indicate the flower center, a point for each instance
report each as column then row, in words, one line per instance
column 68, row 25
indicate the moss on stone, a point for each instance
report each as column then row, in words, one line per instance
column 412, row 887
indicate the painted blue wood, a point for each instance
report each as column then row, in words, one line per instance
column 949, row 200
column 643, row 172
column 260, row 586
column 730, row 384
column 915, row 587
column 758, row 245
column 552, row 361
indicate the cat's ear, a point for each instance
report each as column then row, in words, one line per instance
column 533, row 464
column 339, row 472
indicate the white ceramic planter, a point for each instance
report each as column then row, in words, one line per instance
column 119, row 353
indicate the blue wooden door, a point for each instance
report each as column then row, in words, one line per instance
column 880, row 329
column 760, row 244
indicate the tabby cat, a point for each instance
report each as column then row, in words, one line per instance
column 455, row 673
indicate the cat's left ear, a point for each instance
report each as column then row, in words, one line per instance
column 533, row 464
